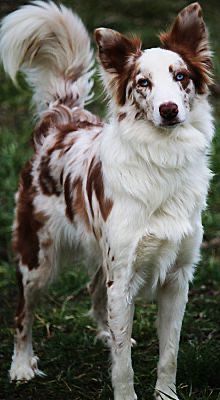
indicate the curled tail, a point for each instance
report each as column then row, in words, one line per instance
column 51, row 46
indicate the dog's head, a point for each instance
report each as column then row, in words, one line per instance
column 160, row 84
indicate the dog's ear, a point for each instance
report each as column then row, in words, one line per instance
column 188, row 36
column 115, row 49
column 117, row 54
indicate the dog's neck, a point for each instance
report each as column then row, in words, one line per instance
column 131, row 141
column 134, row 152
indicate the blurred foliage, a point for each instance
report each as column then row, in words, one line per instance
column 64, row 336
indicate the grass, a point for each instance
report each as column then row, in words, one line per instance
column 76, row 367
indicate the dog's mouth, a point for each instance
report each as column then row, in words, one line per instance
column 170, row 124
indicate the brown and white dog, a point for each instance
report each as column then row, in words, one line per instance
column 129, row 191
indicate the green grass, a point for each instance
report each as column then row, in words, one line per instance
column 76, row 367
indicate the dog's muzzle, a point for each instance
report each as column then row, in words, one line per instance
column 169, row 112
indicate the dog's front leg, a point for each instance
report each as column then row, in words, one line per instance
column 120, row 318
column 172, row 298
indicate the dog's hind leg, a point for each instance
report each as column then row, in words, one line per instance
column 31, row 282
column 36, row 261
column 98, row 291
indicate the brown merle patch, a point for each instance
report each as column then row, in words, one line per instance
column 70, row 99
column 61, row 136
column 129, row 92
column 51, row 119
column 122, row 116
column 188, row 37
column 28, row 222
column 54, row 119
column 61, row 176
column 139, row 115
column 43, row 127
column 47, row 182
column 95, row 185
column 68, row 195
column 75, row 201
column 171, row 70
column 79, row 205
column 61, row 142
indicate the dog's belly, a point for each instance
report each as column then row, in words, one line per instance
column 69, row 237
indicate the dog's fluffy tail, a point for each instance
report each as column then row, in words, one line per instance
column 51, row 46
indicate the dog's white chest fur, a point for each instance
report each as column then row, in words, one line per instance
column 159, row 189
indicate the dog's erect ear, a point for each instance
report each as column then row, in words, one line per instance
column 188, row 37
column 117, row 55
column 115, row 49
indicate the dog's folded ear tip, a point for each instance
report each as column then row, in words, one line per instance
column 192, row 8
column 98, row 30
column 104, row 32
column 99, row 33
column 194, row 5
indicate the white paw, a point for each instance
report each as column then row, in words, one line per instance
column 24, row 369
column 128, row 396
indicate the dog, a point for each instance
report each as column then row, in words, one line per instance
column 129, row 191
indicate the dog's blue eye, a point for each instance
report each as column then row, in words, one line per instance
column 180, row 77
column 143, row 82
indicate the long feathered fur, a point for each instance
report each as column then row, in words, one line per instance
column 50, row 44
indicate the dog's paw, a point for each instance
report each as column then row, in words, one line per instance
column 165, row 393
column 124, row 396
column 23, row 369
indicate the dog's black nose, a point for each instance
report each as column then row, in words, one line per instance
column 168, row 110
